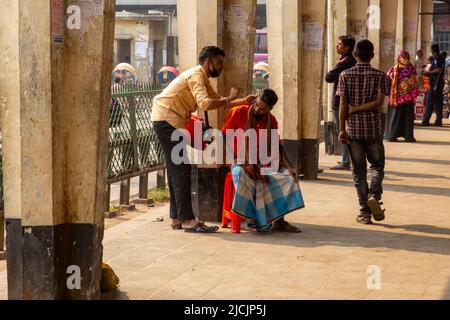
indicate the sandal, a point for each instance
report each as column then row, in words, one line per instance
column 176, row 225
column 286, row 227
column 201, row 228
column 266, row 230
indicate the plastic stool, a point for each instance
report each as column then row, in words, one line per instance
column 227, row 213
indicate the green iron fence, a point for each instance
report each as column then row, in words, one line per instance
column 134, row 150
column 260, row 84
column 133, row 146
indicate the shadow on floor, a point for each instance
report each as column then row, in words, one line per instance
column 422, row 190
column 416, row 175
column 432, row 128
column 428, row 161
column 317, row 235
column 420, row 228
column 115, row 295
column 433, row 143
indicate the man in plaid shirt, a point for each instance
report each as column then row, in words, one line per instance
column 362, row 90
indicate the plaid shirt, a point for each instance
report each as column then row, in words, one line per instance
column 361, row 84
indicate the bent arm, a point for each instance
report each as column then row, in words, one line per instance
column 343, row 113
column 373, row 105
column 333, row 75
column 204, row 100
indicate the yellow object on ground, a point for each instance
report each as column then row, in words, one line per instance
column 110, row 281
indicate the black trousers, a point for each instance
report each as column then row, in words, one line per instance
column 400, row 122
column 361, row 151
column 435, row 102
column 179, row 175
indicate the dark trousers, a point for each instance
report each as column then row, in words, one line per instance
column 361, row 151
column 179, row 175
column 400, row 122
column 435, row 103
column 345, row 154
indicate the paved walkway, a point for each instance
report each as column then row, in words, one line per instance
column 329, row 260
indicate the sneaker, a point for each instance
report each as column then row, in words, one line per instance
column 375, row 208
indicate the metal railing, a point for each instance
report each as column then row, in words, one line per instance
column 134, row 150
column 260, row 84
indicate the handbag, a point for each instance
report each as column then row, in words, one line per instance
column 205, row 127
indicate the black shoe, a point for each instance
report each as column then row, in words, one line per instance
column 362, row 219
column 438, row 125
column 201, row 228
column 425, row 124
column 375, row 208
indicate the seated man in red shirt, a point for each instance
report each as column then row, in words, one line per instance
column 264, row 193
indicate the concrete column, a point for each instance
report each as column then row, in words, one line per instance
column 357, row 18
column 399, row 36
column 426, row 25
column 284, row 44
column 387, row 34
column 55, row 81
column 410, row 25
column 312, row 60
column 296, row 52
column 337, row 26
column 374, row 29
column 229, row 24
column 198, row 27
column 239, row 30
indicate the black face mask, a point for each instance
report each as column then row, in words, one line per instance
column 213, row 73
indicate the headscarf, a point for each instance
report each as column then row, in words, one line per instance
column 404, row 83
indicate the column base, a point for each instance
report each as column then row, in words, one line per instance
column 332, row 145
column 207, row 193
column 39, row 257
column 304, row 155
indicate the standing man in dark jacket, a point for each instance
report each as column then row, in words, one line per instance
column 345, row 48
column 435, row 95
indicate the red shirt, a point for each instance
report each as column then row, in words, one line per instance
column 237, row 119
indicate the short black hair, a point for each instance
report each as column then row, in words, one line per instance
column 435, row 48
column 209, row 52
column 349, row 42
column 269, row 96
column 365, row 50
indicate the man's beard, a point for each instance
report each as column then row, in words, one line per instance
column 214, row 73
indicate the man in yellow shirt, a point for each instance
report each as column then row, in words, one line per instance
column 171, row 111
